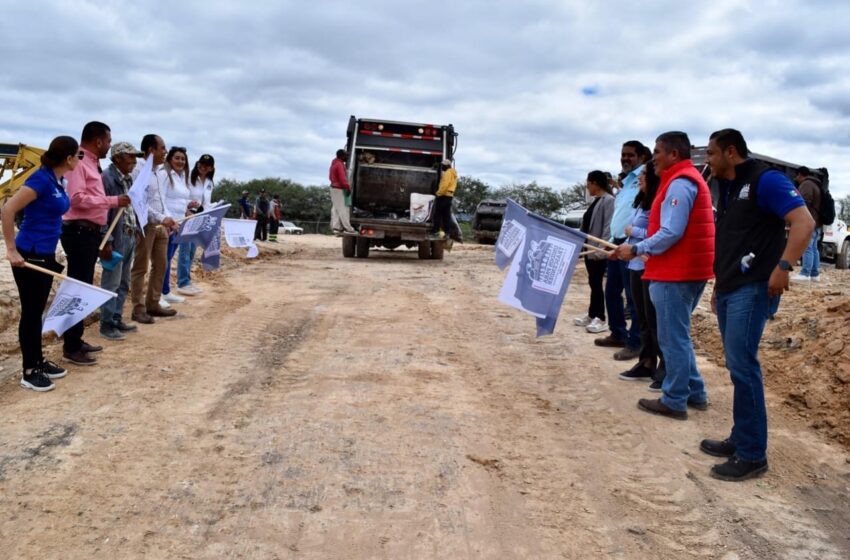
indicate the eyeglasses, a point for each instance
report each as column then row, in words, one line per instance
column 81, row 154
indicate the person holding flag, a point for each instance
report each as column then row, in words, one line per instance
column 43, row 200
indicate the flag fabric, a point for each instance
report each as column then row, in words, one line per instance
column 138, row 193
column 542, row 255
column 201, row 228
column 211, row 257
column 73, row 302
column 240, row 233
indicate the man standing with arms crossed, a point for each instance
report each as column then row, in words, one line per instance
column 631, row 159
column 680, row 256
column 752, row 264
column 81, row 226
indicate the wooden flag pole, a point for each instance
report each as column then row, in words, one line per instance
column 601, row 242
column 111, row 227
column 45, row 271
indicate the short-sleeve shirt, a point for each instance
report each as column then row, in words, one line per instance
column 42, row 224
column 776, row 194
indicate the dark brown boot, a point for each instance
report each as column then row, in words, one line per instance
column 162, row 312
column 655, row 406
column 141, row 316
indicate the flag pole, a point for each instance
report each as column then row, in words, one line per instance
column 601, row 241
column 111, row 227
column 45, row 271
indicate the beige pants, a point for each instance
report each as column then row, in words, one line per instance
column 150, row 254
column 339, row 211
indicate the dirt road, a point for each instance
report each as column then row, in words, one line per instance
column 310, row 406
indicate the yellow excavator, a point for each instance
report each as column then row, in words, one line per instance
column 17, row 162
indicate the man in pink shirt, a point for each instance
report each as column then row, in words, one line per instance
column 81, row 226
column 339, row 184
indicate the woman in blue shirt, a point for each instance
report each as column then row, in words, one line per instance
column 42, row 200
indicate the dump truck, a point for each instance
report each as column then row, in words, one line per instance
column 487, row 221
column 388, row 161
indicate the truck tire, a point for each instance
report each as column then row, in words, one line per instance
column 424, row 249
column 842, row 259
column 437, row 250
column 348, row 246
column 362, row 247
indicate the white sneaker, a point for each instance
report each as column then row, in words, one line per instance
column 189, row 290
column 582, row 321
column 597, row 325
column 800, row 278
column 162, row 303
column 173, row 298
column 815, row 278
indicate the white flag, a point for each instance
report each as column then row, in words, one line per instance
column 240, row 233
column 73, row 302
column 138, row 193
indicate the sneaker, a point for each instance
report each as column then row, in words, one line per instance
column 90, row 348
column 596, row 326
column 79, row 357
column 164, row 304
column 582, row 321
column 37, row 381
column 189, row 290
column 735, row 469
column 111, row 333
column 655, row 386
column 124, row 327
column 637, row 373
column 162, row 312
column 52, row 370
column 609, row 342
column 173, row 298
column 655, row 406
column 800, row 278
column 815, row 278
column 717, row 448
column 626, row 353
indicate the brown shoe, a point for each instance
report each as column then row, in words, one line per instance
column 655, row 406
column 162, row 312
column 610, row 342
column 141, row 316
column 626, row 353
column 79, row 358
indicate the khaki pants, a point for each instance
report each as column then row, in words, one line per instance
column 151, row 254
column 339, row 211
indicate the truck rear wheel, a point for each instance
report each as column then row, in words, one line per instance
column 362, row 247
column 424, row 249
column 348, row 246
column 437, row 250
column 842, row 259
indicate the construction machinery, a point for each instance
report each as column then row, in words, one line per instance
column 17, row 162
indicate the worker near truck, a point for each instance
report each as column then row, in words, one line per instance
column 752, row 264
column 340, row 220
column 443, row 222
column 809, row 189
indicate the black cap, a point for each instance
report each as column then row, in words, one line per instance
column 207, row 159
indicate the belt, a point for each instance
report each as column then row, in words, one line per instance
column 82, row 224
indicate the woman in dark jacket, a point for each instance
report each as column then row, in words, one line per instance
column 597, row 222
column 43, row 200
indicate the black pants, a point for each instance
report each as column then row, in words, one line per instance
column 443, row 215
column 595, row 275
column 80, row 244
column 261, row 232
column 274, row 226
column 33, row 289
column 650, row 351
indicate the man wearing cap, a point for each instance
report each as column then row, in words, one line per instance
column 81, row 226
column 117, row 180
column 443, row 222
column 262, row 209
column 340, row 219
column 245, row 206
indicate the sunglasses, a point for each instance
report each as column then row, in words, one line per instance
column 81, row 154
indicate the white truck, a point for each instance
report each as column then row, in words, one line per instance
column 835, row 244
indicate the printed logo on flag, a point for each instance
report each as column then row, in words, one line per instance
column 548, row 262
column 512, row 235
column 65, row 305
column 73, row 302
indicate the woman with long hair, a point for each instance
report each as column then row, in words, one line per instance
column 597, row 222
column 200, row 190
column 650, row 361
column 178, row 200
column 42, row 200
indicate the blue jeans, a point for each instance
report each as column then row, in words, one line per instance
column 185, row 256
column 117, row 280
column 617, row 281
column 742, row 315
column 674, row 302
column 811, row 257
column 172, row 248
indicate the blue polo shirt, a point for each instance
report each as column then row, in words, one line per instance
column 776, row 194
column 42, row 223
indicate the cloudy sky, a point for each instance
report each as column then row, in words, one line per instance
column 538, row 90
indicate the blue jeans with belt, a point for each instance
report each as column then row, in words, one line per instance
column 742, row 314
column 674, row 302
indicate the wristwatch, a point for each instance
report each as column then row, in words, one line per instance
column 785, row 265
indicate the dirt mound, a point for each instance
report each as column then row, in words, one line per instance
column 805, row 354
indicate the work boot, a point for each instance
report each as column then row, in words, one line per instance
column 160, row 311
column 717, row 448
column 655, row 406
column 735, row 469
column 140, row 315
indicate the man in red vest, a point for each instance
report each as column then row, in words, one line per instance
column 679, row 253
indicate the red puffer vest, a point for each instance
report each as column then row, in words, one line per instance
column 692, row 258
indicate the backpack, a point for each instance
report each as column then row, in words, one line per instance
column 827, row 203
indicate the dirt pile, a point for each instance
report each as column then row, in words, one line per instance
column 805, row 353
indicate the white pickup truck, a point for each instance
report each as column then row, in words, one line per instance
column 836, row 244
